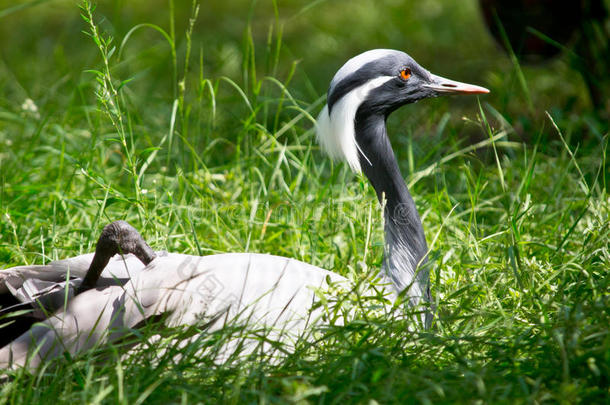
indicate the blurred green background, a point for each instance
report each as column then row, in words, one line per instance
column 44, row 52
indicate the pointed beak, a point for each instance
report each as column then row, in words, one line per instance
column 442, row 85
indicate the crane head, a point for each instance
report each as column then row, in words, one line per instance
column 376, row 82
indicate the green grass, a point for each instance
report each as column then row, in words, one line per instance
column 200, row 135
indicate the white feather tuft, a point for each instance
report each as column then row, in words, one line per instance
column 336, row 133
column 359, row 61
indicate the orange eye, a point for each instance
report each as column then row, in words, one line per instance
column 405, row 74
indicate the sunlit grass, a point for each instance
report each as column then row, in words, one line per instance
column 228, row 163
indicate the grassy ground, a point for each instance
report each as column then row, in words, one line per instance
column 201, row 137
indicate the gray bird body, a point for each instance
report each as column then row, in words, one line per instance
column 264, row 290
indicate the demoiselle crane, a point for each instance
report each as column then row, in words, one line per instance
column 257, row 288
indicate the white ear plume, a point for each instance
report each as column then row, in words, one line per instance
column 336, row 132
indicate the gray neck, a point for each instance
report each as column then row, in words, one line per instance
column 405, row 241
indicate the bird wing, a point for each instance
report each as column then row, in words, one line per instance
column 29, row 283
